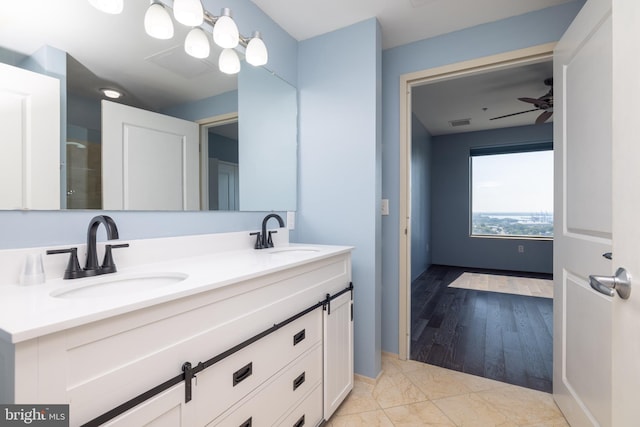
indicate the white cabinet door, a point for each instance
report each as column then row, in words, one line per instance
column 149, row 161
column 30, row 135
column 338, row 352
column 164, row 410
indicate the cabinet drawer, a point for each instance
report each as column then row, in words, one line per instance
column 307, row 414
column 275, row 398
column 225, row 383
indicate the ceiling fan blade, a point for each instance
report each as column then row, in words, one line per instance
column 514, row 114
column 543, row 117
column 531, row 100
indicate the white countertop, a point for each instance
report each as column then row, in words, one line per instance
column 28, row 312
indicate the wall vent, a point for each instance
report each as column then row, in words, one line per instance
column 460, row 122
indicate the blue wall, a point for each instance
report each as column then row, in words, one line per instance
column 421, row 143
column 451, row 242
column 510, row 34
column 339, row 165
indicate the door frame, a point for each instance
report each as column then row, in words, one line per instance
column 205, row 124
column 500, row 61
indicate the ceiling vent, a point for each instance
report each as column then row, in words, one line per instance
column 460, row 122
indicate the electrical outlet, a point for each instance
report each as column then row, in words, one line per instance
column 520, row 249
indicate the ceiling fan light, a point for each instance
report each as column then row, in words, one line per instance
column 113, row 7
column 228, row 62
column 188, row 12
column 157, row 22
column 225, row 31
column 197, row 43
column 256, row 52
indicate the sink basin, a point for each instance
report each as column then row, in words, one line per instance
column 116, row 284
column 294, row 250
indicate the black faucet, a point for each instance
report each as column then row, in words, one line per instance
column 91, row 268
column 264, row 240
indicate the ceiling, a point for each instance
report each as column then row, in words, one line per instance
column 114, row 50
column 480, row 97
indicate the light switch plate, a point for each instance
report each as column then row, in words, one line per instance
column 291, row 220
column 385, row 207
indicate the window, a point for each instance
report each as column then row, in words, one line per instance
column 512, row 191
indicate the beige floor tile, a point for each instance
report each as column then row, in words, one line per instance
column 522, row 405
column 359, row 400
column 396, row 389
column 476, row 383
column 469, row 410
column 393, row 365
column 363, row 419
column 556, row 422
column 421, row 414
column 436, row 382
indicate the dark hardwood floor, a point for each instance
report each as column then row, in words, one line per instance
column 494, row 335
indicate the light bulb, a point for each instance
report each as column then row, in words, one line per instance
column 111, row 93
column 229, row 63
column 225, row 31
column 188, row 12
column 108, row 6
column 197, row 43
column 256, row 52
column 157, row 22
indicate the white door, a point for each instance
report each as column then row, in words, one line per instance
column 30, row 138
column 228, row 187
column 149, row 161
column 596, row 336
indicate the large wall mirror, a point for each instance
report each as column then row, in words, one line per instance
column 246, row 123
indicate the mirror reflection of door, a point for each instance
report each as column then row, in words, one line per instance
column 222, row 159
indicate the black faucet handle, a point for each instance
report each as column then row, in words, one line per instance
column 73, row 270
column 108, row 266
column 269, row 239
column 258, row 244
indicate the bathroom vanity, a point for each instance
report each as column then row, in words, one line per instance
column 221, row 335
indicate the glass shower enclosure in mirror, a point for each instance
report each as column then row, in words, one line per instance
column 154, row 75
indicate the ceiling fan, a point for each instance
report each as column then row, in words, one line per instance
column 545, row 103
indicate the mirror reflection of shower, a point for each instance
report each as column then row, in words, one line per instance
column 83, row 164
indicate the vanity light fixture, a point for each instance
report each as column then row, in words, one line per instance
column 197, row 43
column 111, row 93
column 157, row 21
column 228, row 62
column 256, row 52
column 113, row 7
column 188, row 12
column 225, row 30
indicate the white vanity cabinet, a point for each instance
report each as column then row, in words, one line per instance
column 278, row 349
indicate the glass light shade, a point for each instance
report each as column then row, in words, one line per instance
column 225, row 31
column 229, row 63
column 188, row 12
column 108, row 6
column 157, row 22
column 197, row 43
column 256, row 52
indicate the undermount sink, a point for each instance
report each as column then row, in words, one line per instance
column 116, row 284
column 294, row 250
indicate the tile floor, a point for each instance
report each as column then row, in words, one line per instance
column 414, row 394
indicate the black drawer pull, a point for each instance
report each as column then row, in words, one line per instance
column 300, row 422
column 297, row 338
column 298, row 381
column 242, row 373
column 246, row 423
